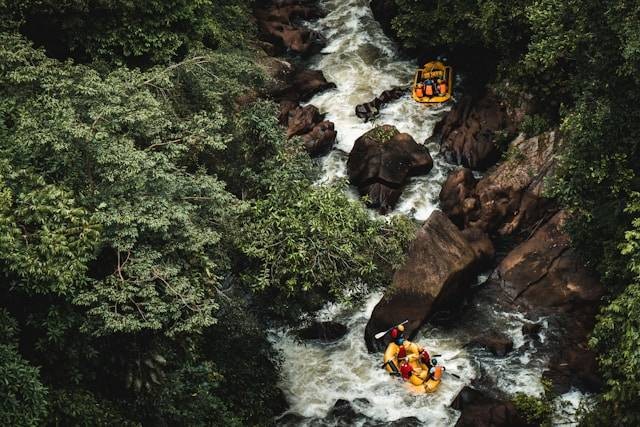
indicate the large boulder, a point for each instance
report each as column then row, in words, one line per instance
column 545, row 277
column 302, row 120
column 302, row 85
column 380, row 163
column 318, row 135
column 321, row 138
column 438, row 270
column 322, row 331
column 510, row 198
column 480, row 410
column 277, row 24
column 471, row 132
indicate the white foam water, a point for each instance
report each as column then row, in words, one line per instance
column 316, row 375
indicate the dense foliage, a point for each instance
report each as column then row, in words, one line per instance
column 138, row 210
column 580, row 62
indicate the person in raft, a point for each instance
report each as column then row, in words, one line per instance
column 397, row 335
column 436, row 370
column 442, row 87
column 420, row 90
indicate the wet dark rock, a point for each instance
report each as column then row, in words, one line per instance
column 498, row 344
column 471, row 133
column 544, row 275
column 380, row 163
column 277, row 25
column 323, row 331
column 278, row 71
column 438, row 270
column 343, row 413
column 531, row 329
column 285, row 107
column 302, row 85
column 510, row 199
column 480, row 410
column 321, row 138
column 302, row 120
column 371, row 109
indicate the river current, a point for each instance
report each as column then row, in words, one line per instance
column 363, row 62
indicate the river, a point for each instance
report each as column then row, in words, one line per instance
column 363, row 61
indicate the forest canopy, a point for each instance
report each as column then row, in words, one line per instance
column 139, row 201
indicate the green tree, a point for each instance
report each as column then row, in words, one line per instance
column 24, row 398
column 310, row 244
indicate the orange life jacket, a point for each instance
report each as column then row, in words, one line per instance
column 436, row 373
column 442, row 87
column 419, row 92
column 429, row 90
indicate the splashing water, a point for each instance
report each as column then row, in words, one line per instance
column 363, row 62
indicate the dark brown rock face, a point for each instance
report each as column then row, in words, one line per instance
column 380, row 163
column 438, row 269
column 277, row 24
column 544, row 273
column 471, row 130
column 302, row 85
column 479, row 410
column 544, row 277
column 318, row 135
column 321, row 138
column 302, row 120
column 510, row 198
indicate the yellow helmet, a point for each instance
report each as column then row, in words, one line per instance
column 401, row 328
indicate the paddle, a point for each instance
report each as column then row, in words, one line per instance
column 455, row 375
column 381, row 334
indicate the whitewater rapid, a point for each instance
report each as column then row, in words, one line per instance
column 363, row 62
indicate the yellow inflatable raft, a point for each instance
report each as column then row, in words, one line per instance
column 434, row 70
column 419, row 380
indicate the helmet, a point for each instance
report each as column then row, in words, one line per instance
column 395, row 333
column 434, row 362
column 401, row 328
column 399, row 341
